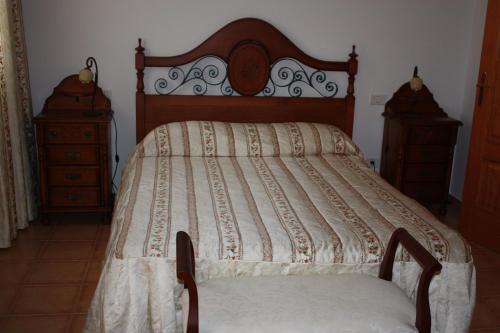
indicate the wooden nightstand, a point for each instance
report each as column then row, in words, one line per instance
column 74, row 152
column 418, row 146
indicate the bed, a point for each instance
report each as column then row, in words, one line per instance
column 264, row 184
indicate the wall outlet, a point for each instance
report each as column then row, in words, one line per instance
column 374, row 164
column 378, row 99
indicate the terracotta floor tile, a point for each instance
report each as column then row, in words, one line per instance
column 94, row 271
column 77, row 323
column 488, row 282
column 12, row 273
column 476, row 248
column 100, row 249
column 59, row 272
column 67, row 250
column 486, row 313
column 76, row 232
column 38, row 324
column 85, row 297
column 45, row 299
column 105, row 231
column 21, row 251
column 36, row 231
column 7, row 295
column 487, row 260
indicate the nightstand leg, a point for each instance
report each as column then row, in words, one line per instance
column 443, row 210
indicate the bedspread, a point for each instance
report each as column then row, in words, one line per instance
column 293, row 198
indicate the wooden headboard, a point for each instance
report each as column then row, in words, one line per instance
column 248, row 48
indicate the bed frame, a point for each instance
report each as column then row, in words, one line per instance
column 249, row 47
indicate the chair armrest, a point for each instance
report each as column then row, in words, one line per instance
column 186, row 274
column 430, row 266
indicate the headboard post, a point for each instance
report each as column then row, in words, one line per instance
column 350, row 99
column 353, row 69
column 139, row 95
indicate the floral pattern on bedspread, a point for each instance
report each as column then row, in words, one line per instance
column 263, row 192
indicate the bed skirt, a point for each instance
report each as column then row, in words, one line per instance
column 141, row 294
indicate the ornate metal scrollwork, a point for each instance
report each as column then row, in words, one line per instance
column 288, row 76
column 289, row 73
column 198, row 76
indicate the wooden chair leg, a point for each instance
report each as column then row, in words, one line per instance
column 186, row 274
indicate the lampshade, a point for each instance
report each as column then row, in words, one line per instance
column 85, row 76
column 416, row 82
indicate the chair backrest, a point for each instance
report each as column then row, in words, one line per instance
column 430, row 266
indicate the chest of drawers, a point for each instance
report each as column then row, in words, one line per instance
column 74, row 164
column 74, row 151
column 418, row 146
column 417, row 157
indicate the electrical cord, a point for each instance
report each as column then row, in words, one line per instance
column 114, row 187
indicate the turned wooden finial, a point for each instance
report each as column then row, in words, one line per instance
column 353, row 70
column 139, row 66
column 139, row 48
column 353, row 55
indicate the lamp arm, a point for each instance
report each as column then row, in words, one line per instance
column 89, row 62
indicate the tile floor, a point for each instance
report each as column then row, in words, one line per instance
column 48, row 276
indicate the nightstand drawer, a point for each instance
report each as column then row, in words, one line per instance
column 426, row 154
column 436, row 135
column 424, row 192
column 425, row 172
column 66, row 133
column 77, row 197
column 73, row 176
column 72, row 155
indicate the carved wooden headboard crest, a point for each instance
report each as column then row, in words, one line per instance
column 247, row 62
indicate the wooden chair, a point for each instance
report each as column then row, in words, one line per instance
column 331, row 303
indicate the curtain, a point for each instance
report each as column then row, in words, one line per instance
column 17, row 144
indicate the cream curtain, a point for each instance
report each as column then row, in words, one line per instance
column 17, row 150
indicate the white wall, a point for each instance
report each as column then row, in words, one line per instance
column 391, row 35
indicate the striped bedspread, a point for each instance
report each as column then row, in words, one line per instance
column 292, row 198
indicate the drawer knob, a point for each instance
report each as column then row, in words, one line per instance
column 73, row 197
column 88, row 134
column 72, row 176
column 54, row 133
column 72, row 155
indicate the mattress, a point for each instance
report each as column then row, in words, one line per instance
column 262, row 199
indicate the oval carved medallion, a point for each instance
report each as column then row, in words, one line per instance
column 248, row 68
